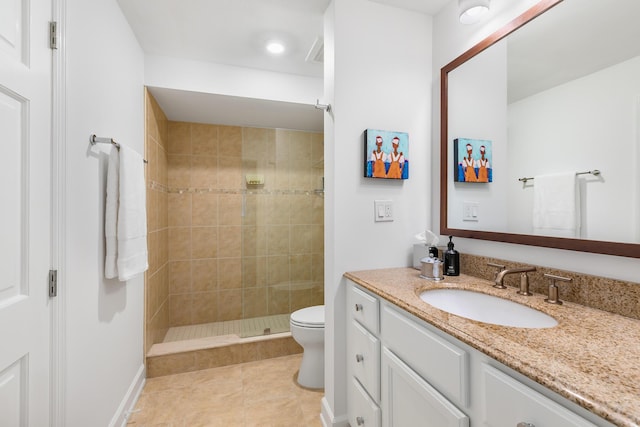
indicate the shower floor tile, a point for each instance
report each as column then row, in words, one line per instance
column 242, row 328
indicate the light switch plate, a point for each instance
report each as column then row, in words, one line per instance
column 383, row 210
column 470, row 211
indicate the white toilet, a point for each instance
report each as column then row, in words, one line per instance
column 307, row 328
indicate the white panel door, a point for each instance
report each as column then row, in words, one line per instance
column 25, row 176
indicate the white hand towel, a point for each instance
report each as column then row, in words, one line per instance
column 132, row 216
column 556, row 205
column 111, row 216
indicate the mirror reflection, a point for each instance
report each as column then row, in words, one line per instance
column 559, row 101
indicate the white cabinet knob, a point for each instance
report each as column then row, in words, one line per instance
column 360, row 421
column 358, row 307
column 359, row 358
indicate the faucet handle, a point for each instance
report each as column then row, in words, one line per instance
column 553, row 288
column 500, row 267
column 524, row 285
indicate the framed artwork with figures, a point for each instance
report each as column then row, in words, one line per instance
column 472, row 160
column 386, row 154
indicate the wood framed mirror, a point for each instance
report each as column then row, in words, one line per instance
column 554, row 49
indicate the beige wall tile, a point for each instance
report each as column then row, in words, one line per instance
column 301, row 209
column 230, row 175
column 163, row 168
column 229, row 273
column 254, row 302
column 278, row 240
column 204, row 139
column 163, row 212
column 277, row 269
column 153, row 252
column 152, row 210
column 300, row 266
column 170, row 364
column 204, row 275
column 279, row 298
column 254, row 272
column 151, row 155
column 180, row 277
column 254, row 241
column 179, row 171
column 179, row 243
column 179, row 135
column 230, row 141
column 204, row 172
column 179, row 209
column 163, row 255
column 205, row 209
column 205, row 307
column 229, row 304
column 180, row 309
column 230, row 209
column 300, row 239
column 204, row 242
column 230, row 242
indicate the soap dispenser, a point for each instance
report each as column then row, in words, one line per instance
column 451, row 260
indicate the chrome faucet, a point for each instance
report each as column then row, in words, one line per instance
column 524, row 281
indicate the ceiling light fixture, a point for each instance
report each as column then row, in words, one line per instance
column 275, row 47
column 471, row 11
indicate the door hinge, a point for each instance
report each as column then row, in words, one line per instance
column 53, row 35
column 53, row 283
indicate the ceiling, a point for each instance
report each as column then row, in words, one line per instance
column 234, row 32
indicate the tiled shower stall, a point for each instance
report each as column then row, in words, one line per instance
column 235, row 226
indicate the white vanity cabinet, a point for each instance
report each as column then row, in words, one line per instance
column 404, row 372
column 363, row 358
column 508, row 402
column 384, row 389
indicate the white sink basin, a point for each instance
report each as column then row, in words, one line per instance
column 487, row 308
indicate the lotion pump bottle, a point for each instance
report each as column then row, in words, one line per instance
column 451, row 260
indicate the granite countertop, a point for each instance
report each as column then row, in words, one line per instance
column 591, row 357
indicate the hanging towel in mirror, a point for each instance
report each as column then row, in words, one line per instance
column 556, row 205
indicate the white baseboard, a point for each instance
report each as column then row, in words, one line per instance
column 130, row 399
column 328, row 419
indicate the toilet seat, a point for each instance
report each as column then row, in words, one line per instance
column 309, row 317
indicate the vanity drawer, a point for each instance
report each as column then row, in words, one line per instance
column 508, row 402
column 363, row 412
column 364, row 308
column 363, row 358
column 444, row 365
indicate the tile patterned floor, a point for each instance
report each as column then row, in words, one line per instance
column 254, row 394
column 251, row 327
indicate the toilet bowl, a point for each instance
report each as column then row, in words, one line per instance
column 307, row 328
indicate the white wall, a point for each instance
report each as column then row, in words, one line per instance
column 377, row 75
column 477, row 93
column 206, row 77
column 589, row 123
column 104, row 318
column 450, row 40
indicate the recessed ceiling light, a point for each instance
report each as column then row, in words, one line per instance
column 275, row 47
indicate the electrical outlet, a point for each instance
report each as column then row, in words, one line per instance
column 383, row 210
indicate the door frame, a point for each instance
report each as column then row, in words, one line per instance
column 58, row 304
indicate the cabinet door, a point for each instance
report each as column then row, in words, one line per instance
column 408, row 400
column 363, row 412
column 508, row 402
